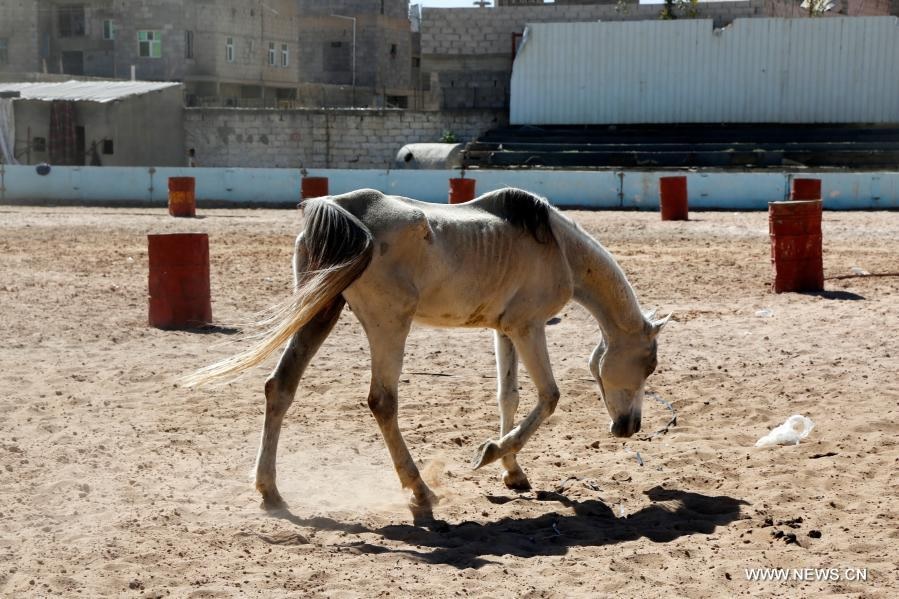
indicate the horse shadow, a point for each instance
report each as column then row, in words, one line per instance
column 593, row 524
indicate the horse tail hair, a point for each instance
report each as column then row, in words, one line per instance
column 336, row 249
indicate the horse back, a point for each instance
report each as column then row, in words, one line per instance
column 476, row 264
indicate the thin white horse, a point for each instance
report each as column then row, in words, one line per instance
column 506, row 260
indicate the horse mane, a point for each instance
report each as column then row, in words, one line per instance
column 525, row 210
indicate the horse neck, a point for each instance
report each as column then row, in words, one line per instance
column 599, row 283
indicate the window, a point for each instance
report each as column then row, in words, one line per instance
column 149, row 44
column 70, row 20
column 271, row 54
column 4, row 51
column 229, row 49
column 392, row 50
column 109, row 29
column 188, row 44
column 285, row 55
column 108, row 147
column 398, row 101
column 39, row 144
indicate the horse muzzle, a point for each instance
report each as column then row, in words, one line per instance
column 625, row 426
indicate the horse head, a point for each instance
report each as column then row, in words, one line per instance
column 621, row 368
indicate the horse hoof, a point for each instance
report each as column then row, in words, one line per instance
column 488, row 452
column 422, row 512
column 423, row 517
column 273, row 502
column 516, row 481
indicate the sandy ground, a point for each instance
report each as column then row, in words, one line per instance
column 115, row 481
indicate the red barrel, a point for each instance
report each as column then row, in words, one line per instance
column 805, row 189
column 182, row 196
column 795, row 229
column 314, row 187
column 673, row 198
column 179, row 280
column 461, row 190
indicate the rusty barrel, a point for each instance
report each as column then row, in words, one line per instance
column 795, row 229
column 179, row 280
column 805, row 189
column 182, row 196
column 461, row 190
column 673, row 198
column 314, row 187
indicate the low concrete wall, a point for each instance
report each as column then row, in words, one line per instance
column 340, row 138
column 590, row 189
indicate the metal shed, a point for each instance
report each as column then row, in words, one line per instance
column 827, row 70
column 109, row 123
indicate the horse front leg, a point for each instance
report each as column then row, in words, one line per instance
column 530, row 342
column 387, row 348
column 280, row 390
column 507, row 398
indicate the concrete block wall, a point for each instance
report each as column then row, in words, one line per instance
column 472, row 89
column 226, row 137
column 479, row 31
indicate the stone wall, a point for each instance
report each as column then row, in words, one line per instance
column 321, row 138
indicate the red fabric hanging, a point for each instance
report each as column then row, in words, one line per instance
column 62, row 142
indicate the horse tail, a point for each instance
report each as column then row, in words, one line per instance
column 336, row 249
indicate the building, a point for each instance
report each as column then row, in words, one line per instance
column 19, row 36
column 242, row 53
column 106, row 123
column 358, row 47
column 224, row 49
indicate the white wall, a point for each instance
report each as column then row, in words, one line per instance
column 590, row 189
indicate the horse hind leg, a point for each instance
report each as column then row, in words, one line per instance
column 507, row 398
column 280, row 390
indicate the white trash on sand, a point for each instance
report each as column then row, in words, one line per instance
column 796, row 428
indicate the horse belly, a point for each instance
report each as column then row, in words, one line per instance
column 460, row 306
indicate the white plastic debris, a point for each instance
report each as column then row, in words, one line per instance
column 764, row 312
column 859, row 271
column 796, row 428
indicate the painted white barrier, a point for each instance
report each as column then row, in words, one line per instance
column 589, row 189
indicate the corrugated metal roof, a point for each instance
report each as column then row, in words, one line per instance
column 833, row 70
column 86, row 91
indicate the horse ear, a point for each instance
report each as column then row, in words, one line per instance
column 658, row 324
column 649, row 314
